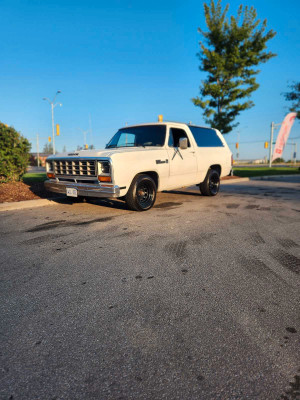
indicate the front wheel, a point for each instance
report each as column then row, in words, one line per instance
column 141, row 194
column 211, row 184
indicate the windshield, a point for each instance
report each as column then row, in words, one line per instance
column 136, row 136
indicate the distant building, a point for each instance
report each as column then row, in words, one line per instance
column 42, row 157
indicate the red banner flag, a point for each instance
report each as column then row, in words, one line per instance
column 283, row 135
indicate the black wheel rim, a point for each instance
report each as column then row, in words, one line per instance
column 145, row 194
column 214, row 184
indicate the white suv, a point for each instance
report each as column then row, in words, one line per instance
column 141, row 160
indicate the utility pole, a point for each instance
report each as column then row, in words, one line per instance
column 52, row 115
column 38, row 150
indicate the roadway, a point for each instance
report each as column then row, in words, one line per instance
column 196, row 299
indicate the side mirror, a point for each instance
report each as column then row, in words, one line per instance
column 183, row 143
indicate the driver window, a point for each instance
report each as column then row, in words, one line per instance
column 174, row 136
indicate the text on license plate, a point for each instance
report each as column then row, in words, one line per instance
column 72, row 192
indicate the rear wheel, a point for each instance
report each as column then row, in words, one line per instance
column 211, row 184
column 141, row 194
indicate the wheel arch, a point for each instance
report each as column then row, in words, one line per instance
column 152, row 174
column 216, row 167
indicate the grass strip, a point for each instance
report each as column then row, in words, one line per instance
column 34, row 177
column 261, row 171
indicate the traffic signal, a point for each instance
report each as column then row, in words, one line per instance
column 49, row 139
column 266, row 145
column 160, row 118
column 236, row 145
column 86, row 146
column 57, row 130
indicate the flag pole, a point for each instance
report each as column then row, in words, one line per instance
column 270, row 147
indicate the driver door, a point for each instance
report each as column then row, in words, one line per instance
column 183, row 163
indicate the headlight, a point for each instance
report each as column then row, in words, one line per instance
column 49, row 166
column 105, row 167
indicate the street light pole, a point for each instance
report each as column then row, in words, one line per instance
column 273, row 126
column 53, row 137
column 52, row 115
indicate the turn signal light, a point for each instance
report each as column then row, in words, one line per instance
column 50, row 175
column 104, row 178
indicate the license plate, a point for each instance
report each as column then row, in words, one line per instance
column 72, row 192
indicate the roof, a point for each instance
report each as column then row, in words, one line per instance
column 167, row 123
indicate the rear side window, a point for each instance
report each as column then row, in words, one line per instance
column 205, row 137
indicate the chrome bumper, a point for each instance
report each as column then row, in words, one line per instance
column 94, row 190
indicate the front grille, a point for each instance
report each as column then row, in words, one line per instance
column 75, row 167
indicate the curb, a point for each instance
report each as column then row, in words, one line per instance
column 20, row 205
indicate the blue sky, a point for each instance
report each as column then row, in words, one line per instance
column 126, row 62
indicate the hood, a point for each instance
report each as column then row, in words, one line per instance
column 101, row 152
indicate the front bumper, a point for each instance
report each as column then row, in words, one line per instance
column 94, row 190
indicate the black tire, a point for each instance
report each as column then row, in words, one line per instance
column 141, row 194
column 211, row 184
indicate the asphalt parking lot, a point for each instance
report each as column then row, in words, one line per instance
column 196, row 299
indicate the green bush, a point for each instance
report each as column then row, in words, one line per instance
column 14, row 154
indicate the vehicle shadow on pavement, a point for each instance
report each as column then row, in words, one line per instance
column 183, row 192
column 108, row 203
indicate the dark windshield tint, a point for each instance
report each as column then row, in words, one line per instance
column 148, row 135
column 206, row 137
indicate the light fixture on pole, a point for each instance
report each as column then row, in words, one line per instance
column 52, row 114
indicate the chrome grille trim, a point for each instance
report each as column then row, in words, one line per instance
column 75, row 167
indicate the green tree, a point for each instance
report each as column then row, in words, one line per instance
column 48, row 148
column 294, row 96
column 278, row 161
column 229, row 52
column 14, row 154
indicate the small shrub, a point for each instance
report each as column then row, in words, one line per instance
column 14, row 154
